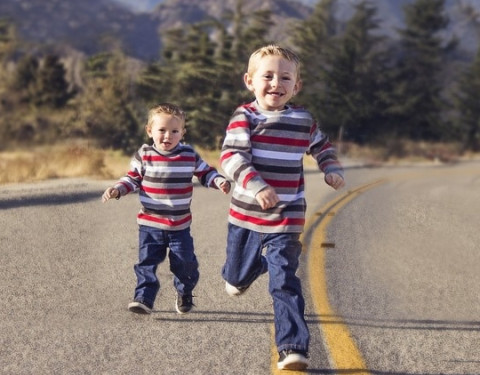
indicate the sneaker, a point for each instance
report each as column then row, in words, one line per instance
column 292, row 360
column 139, row 307
column 234, row 291
column 184, row 303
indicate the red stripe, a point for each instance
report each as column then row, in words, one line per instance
column 134, row 174
column 248, row 177
column 280, row 141
column 226, row 155
column 128, row 187
column 238, row 124
column 255, row 220
column 169, row 222
column 168, row 191
column 163, row 158
column 285, row 184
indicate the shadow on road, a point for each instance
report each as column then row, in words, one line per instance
column 49, row 199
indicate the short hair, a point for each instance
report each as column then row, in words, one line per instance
column 167, row 108
column 272, row 50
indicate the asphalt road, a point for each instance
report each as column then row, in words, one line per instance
column 401, row 270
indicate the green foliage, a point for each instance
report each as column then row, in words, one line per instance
column 466, row 103
column 416, row 103
column 52, row 87
column 361, row 87
column 106, row 109
column 202, row 71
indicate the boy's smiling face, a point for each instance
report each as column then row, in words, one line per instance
column 166, row 131
column 274, row 82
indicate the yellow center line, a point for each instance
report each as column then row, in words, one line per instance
column 343, row 351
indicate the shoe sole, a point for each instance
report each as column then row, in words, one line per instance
column 293, row 362
column 139, row 308
column 183, row 312
column 233, row 291
column 180, row 311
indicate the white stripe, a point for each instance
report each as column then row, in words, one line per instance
column 291, row 197
column 231, row 136
column 165, row 202
column 277, row 154
column 163, row 168
column 282, row 197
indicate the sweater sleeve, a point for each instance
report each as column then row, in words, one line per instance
column 206, row 174
column 323, row 152
column 236, row 155
column 133, row 179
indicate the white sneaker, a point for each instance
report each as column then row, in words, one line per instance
column 292, row 360
column 138, row 307
column 234, row 291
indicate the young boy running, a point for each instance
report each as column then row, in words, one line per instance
column 263, row 153
column 162, row 173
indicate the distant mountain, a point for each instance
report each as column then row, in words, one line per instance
column 89, row 26
column 139, row 6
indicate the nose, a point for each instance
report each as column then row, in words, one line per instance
column 274, row 82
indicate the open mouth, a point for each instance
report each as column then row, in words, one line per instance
column 276, row 94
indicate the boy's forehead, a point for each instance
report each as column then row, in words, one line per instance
column 268, row 62
column 166, row 119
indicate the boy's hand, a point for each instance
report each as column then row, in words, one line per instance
column 110, row 193
column 335, row 180
column 267, row 198
column 225, row 187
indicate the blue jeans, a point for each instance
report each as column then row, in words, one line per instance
column 245, row 263
column 153, row 244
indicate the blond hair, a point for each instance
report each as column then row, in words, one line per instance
column 272, row 50
column 166, row 108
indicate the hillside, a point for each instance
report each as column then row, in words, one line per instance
column 90, row 26
column 87, row 26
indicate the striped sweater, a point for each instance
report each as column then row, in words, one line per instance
column 264, row 148
column 164, row 182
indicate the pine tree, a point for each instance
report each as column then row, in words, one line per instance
column 356, row 79
column 346, row 72
column 52, row 86
column 107, row 106
column 466, row 103
column 201, row 70
column 416, row 103
column 313, row 39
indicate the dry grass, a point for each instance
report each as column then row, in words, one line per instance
column 81, row 159
column 60, row 161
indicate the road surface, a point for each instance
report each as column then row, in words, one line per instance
column 390, row 274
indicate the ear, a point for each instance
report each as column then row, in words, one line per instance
column 297, row 87
column 148, row 129
column 248, row 81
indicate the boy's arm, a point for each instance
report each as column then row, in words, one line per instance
column 209, row 176
column 129, row 183
column 236, row 155
column 326, row 156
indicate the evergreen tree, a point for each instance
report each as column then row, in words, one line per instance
column 52, row 86
column 24, row 82
column 107, row 106
column 313, row 40
column 466, row 103
column 201, row 70
column 416, row 102
column 352, row 100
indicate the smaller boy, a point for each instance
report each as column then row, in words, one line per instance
column 263, row 153
column 162, row 173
